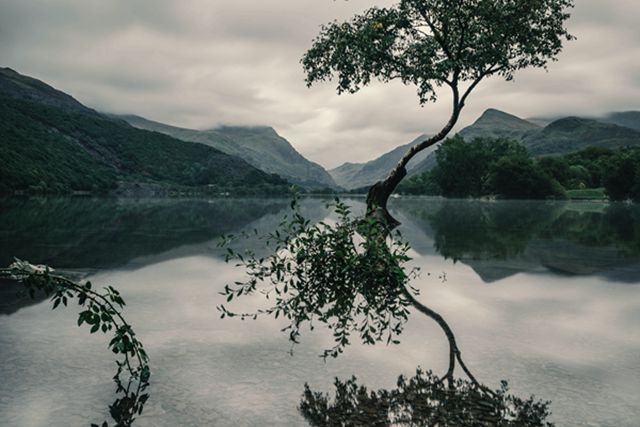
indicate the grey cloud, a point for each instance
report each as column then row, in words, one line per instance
column 201, row 63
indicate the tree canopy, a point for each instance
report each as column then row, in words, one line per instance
column 430, row 43
column 434, row 43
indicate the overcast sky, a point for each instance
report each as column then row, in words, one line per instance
column 202, row 63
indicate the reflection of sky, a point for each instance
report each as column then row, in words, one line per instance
column 571, row 340
column 568, row 340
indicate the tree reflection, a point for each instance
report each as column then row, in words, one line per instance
column 503, row 230
column 489, row 230
column 352, row 277
column 423, row 400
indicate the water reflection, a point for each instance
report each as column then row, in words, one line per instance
column 81, row 235
column 558, row 336
column 422, row 400
column 109, row 233
column 500, row 239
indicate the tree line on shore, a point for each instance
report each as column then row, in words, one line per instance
column 503, row 168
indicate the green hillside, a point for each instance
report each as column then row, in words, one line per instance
column 629, row 119
column 573, row 134
column 51, row 143
column 260, row 146
column 498, row 124
column 52, row 150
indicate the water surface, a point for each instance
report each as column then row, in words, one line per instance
column 542, row 294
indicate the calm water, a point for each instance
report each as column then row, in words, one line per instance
column 545, row 295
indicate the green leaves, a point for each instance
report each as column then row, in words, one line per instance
column 344, row 275
column 429, row 43
column 422, row 400
column 101, row 313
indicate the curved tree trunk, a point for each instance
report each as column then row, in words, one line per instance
column 379, row 193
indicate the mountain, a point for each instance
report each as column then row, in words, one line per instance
column 357, row 175
column 17, row 86
column 50, row 142
column 574, row 133
column 260, row 146
column 557, row 136
column 498, row 124
column 629, row 119
column 560, row 136
column 491, row 124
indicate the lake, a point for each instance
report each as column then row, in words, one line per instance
column 545, row 295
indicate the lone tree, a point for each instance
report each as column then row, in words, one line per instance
column 349, row 275
column 431, row 44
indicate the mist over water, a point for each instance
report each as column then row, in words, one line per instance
column 542, row 294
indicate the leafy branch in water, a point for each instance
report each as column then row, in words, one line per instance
column 423, row 400
column 328, row 273
column 102, row 312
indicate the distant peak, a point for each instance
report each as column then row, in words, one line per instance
column 7, row 70
column 245, row 129
column 568, row 123
column 493, row 113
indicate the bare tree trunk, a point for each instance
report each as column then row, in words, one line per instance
column 380, row 192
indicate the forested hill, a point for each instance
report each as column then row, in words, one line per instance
column 572, row 134
column 559, row 136
column 17, row 86
column 261, row 146
column 49, row 142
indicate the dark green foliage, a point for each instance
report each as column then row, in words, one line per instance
column 622, row 175
column 503, row 168
column 102, row 312
column 464, row 169
column 422, row 184
column 326, row 273
column 50, row 150
column 519, row 177
column 484, row 167
column 429, row 43
column 423, row 400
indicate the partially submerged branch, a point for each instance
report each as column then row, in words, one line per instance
column 103, row 312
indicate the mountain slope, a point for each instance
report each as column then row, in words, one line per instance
column 573, row 134
column 18, row 86
column 260, row 146
column 491, row 124
column 357, row 175
column 559, row 137
column 629, row 119
column 498, row 124
column 49, row 142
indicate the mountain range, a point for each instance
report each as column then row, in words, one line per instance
column 50, row 141
column 259, row 146
column 540, row 136
column 357, row 175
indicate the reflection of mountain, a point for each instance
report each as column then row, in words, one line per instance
column 86, row 234
column 107, row 233
column 500, row 239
